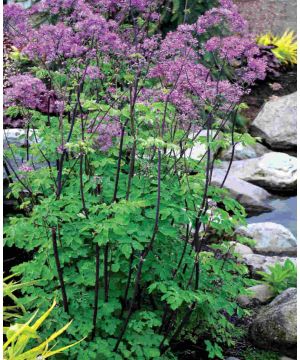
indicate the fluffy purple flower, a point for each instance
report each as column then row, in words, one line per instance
column 256, row 70
column 213, row 43
column 69, row 10
column 242, row 51
column 53, row 42
column 59, row 106
column 101, row 32
column 30, row 92
column 60, row 149
column 227, row 15
column 26, row 91
column 93, row 73
column 26, row 168
column 259, row 66
column 124, row 5
column 106, row 131
column 16, row 24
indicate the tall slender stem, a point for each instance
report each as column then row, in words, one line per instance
column 106, row 279
column 96, row 299
column 128, row 283
column 59, row 270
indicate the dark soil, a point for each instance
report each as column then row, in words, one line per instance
column 13, row 256
column 263, row 91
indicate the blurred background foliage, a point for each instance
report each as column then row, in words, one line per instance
column 173, row 12
column 176, row 12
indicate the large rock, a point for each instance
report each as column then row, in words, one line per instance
column 269, row 15
column 277, row 123
column 274, row 171
column 258, row 262
column 275, row 326
column 260, row 294
column 16, row 137
column 253, row 198
column 271, row 238
column 242, row 152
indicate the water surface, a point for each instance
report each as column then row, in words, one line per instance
column 284, row 213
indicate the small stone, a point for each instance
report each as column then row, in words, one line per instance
column 240, row 249
column 261, row 293
column 200, row 148
column 275, row 86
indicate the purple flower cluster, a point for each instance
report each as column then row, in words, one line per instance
column 26, row 91
column 113, row 6
column 106, row 131
column 189, row 85
column 102, row 32
column 30, row 92
column 93, row 73
column 238, row 50
column 68, row 10
column 226, row 14
column 52, row 42
column 25, row 168
column 16, row 24
column 87, row 35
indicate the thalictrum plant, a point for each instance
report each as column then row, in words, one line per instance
column 122, row 129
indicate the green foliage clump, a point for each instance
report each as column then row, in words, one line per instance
column 182, row 11
column 163, row 299
column 281, row 277
column 256, row 354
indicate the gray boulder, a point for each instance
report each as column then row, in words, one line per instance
column 271, row 238
column 275, row 326
column 242, row 152
column 253, row 198
column 277, row 123
column 269, row 15
column 258, row 262
column 273, row 171
column 240, row 249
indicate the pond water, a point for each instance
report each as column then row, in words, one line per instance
column 284, row 213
